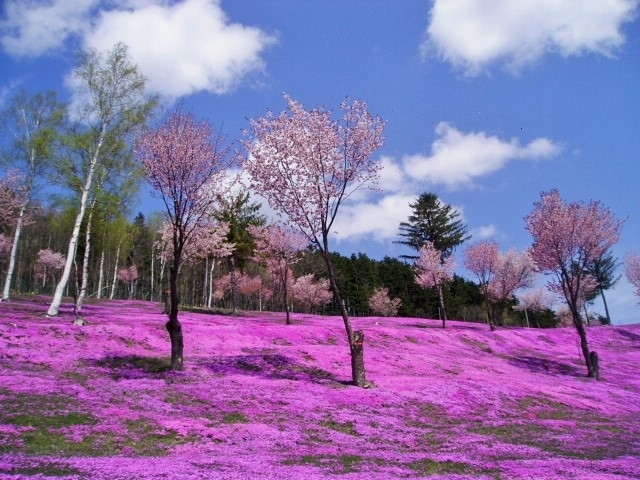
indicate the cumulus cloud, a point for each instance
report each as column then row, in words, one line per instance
column 182, row 47
column 473, row 34
column 377, row 220
column 185, row 47
column 485, row 232
column 457, row 158
column 32, row 28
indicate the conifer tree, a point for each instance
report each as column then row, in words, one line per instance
column 432, row 221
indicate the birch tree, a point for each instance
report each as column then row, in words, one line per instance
column 111, row 107
column 33, row 124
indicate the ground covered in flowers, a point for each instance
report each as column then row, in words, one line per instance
column 262, row 400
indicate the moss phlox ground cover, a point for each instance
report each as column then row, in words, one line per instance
column 260, row 399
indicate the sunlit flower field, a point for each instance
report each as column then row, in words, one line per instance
column 263, row 400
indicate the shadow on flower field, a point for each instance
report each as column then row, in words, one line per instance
column 263, row 400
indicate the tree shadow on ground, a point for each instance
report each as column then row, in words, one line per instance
column 627, row 334
column 437, row 325
column 134, row 366
column 270, row 366
column 544, row 365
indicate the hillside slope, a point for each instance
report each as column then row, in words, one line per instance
column 260, row 399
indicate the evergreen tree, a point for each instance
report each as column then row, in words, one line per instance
column 239, row 213
column 432, row 221
column 603, row 270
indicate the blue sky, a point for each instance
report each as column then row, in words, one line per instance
column 488, row 103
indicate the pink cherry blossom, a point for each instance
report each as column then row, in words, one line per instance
column 381, row 304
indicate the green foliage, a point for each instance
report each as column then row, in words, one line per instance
column 432, row 221
column 359, row 275
column 240, row 213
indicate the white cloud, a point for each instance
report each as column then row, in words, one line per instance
column 473, row 34
column 36, row 28
column 391, row 176
column 484, row 232
column 186, row 47
column 376, row 220
column 182, row 47
column 458, row 158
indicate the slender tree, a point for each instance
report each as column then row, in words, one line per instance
column 306, row 165
column 513, row 271
column 112, row 107
column 433, row 272
column 481, row 258
column 278, row 247
column 33, row 123
column 435, row 222
column 537, row 300
column 499, row 274
column 188, row 167
column 567, row 238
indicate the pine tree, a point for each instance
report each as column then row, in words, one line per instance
column 435, row 222
column 603, row 270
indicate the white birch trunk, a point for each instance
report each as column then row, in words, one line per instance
column 152, row 270
column 100, row 275
column 14, row 253
column 85, row 261
column 210, row 299
column 115, row 273
column 73, row 243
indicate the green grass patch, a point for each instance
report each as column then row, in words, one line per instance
column 337, row 464
column 42, row 468
column 343, row 427
column 235, row 417
column 144, row 364
column 428, row 467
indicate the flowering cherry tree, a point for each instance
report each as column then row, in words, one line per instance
column 513, row 271
column 567, row 238
column 49, row 262
column 632, row 271
column 433, row 271
column 187, row 168
column 129, row 275
column 536, row 300
column 279, row 247
column 306, row 165
column 499, row 274
column 308, row 292
column 381, row 304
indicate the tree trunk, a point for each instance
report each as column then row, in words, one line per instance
column 173, row 325
column 606, row 307
column 356, row 345
column 153, row 256
column 233, row 285
column 210, row 296
column 73, row 242
column 584, row 344
column 285, row 296
column 442, row 309
column 6, row 293
column 100, row 275
column 115, row 273
column 85, row 261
